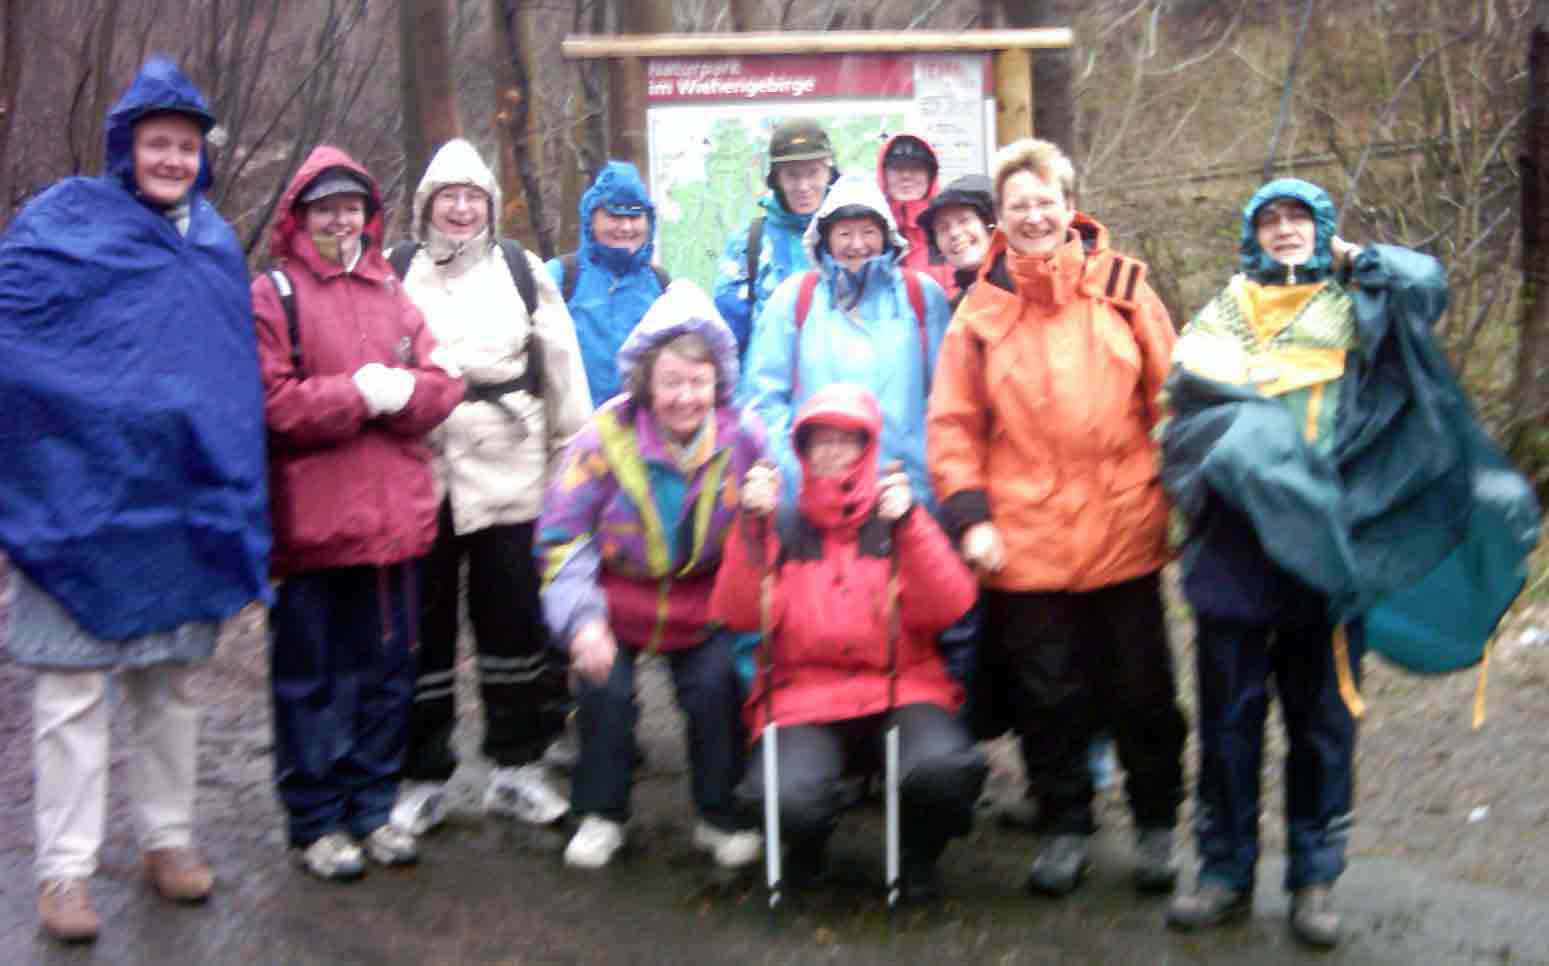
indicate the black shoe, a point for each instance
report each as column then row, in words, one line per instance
column 919, row 881
column 1059, row 866
column 1313, row 919
column 1155, row 871
column 1211, row 904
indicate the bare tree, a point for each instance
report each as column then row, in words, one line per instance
column 1530, row 441
column 10, row 87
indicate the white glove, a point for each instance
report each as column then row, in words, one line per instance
column 983, row 549
column 894, row 497
column 761, row 489
column 386, row 391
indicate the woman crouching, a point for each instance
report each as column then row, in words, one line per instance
column 848, row 655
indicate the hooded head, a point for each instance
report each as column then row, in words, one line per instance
column 327, row 168
column 618, row 190
column 852, row 196
column 975, row 192
column 457, row 163
column 901, row 152
column 159, row 88
column 682, row 310
column 844, row 500
column 1258, row 264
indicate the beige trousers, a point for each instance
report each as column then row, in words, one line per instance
column 70, row 713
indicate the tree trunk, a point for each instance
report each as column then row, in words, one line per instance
column 1054, row 107
column 10, row 86
column 425, row 75
column 513, row 105
column 1530, row 444
column 626, row 80
column 749, row 15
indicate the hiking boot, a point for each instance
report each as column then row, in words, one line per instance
column 523, row 793
column 1211, row 904
column 1155, row 870
column 731, row 849
column 333, row 857
column 1059, row 865
column 65, row 910
column 595, row 843
column 179, row 874
column 1313, row 919
column 388, row 844
column 421, row 806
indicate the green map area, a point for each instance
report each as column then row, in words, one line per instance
column 709, row 170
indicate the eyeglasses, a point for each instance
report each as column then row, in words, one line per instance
column 452, row 197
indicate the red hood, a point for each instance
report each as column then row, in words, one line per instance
column 840, row 501
column 900, row 208
column 286, row 237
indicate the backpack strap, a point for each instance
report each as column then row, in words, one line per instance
column 287, row 294
column 662, row 278
column 521, row 272
column 755, row 248
column 809, row 285
column 571, row 263
column 912, row 286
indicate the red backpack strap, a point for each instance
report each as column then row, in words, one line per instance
column 917, row 302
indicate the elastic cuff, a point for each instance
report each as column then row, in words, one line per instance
column 964, row 509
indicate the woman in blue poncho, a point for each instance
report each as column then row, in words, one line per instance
column 132, row 495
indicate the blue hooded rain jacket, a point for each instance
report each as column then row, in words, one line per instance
column 613, row 287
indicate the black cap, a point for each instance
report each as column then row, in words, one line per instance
column 970, row 191
column 908, row 149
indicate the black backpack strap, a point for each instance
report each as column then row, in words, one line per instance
column 287, row 294
column 572, row 268
column 755, row 247
column 400, row 255
column 521, row 272
column 662, row 278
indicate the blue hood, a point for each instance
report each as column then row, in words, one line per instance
column 618, row 183
column 158, row 87
column 1258, row 265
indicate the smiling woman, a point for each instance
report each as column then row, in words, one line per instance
column 166, row 157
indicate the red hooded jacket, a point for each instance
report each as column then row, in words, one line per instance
column 345, row 489
column 829, row 610
column 907, row 215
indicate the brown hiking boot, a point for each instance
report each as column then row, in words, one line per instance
column 65, row 910
column 179, row 874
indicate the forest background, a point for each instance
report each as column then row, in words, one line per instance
column 1422, row 117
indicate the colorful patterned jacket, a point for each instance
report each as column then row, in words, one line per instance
column 625, row 535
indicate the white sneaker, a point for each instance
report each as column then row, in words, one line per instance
column 595, row 843
column 421, row 807
column 524, row 794
column 731, row 850
column 334, row 857
column 389, row 844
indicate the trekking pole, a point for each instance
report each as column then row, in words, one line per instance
column 769, row 741
column 890, row 737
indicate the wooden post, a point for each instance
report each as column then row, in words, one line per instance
column 1013, row 95
column 626, row 97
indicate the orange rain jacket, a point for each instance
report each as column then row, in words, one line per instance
column 1041, row 412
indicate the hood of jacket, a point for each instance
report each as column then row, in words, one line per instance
column 682, row 309
column 903, row 210
column 839, row 501
column 157, row 88
column 1257, row 263
column 288, row 237
column 457, row 163
column 617, row 183
column 852, row 189
column 1051, row 280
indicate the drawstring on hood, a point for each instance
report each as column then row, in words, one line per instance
column 1259, row 265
